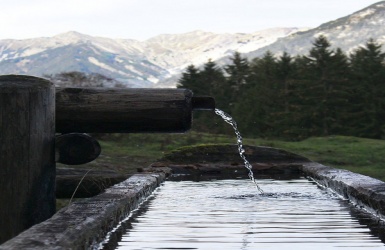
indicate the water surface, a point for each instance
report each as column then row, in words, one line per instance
column 231, row 214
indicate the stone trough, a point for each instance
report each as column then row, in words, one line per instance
column 84, row 224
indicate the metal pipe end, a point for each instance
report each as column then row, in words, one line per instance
column 203, row 103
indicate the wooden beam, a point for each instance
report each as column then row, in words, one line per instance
column 76, row 148
column 104, row 110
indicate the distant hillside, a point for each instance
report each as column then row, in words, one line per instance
column 142, row 64
column 347, row 33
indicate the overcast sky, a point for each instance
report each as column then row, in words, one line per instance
column 142, row 19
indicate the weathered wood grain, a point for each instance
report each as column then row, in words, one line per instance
column 76, row 148
column 27, row 163
column 92, row 110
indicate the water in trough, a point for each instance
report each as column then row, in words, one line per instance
column 230, row 214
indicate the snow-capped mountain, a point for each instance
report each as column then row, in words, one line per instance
column 176, row 52
column 158, row 62
column 347, row 33
column 72, row 51
column 144, row 64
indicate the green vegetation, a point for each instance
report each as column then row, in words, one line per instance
column 364, row 156
column 325, row 92
column 125, row 153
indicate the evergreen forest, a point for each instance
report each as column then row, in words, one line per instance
column 325, row 92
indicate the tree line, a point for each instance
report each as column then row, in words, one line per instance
column 325, row 92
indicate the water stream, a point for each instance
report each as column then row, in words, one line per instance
column 227, row 118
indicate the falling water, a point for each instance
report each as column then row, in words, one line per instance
column 227, row 118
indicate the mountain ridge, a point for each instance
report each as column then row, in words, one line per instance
column 140, row 63
column 158, row 61
column 348, row 33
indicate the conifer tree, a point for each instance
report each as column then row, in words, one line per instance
column 213, row 77
column 285, row 115
column 257, row 98
column 368, row 99
column 190, row 79
column 325, row 71
column 340, row 92
column 238, row 71
column 299, row 120
column 319, row 94
column 285, row 73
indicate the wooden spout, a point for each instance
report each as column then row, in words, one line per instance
column 111, row 110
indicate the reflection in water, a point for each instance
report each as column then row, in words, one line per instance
column 229, row 214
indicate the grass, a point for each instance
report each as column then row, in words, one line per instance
column 364, row 156
column 127, row 152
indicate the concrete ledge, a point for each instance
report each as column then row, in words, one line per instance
column 84, row 224
column 367, row 192
column 223, row 162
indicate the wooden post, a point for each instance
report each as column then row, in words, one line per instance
column 27, row 153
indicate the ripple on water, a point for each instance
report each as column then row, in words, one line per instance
column 293, row 195
column 231, row 214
